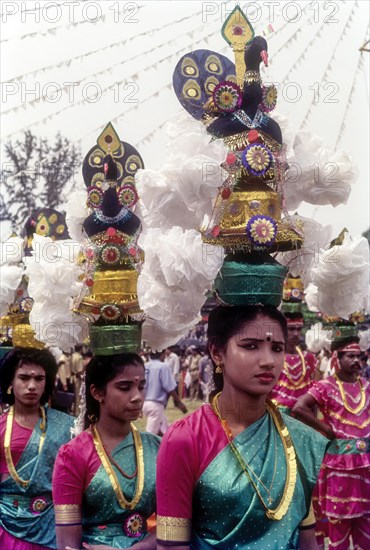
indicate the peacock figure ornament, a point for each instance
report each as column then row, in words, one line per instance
column 249, row 219
column 232, row 102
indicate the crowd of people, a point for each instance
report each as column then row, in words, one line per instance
column 102, row 487
column 276, row 453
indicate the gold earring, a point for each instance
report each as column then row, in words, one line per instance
column 218, row 369
column 9, row 390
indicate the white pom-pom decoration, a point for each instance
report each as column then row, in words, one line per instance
column 364, row 336
column 316, row 236
column 53, row 281
column 318, row 338
column 178, row 271
column 76, row 213
column 182, row 192
column 342, row 277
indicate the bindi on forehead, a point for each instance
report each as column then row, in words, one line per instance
column 261, row 329
column 30, row 370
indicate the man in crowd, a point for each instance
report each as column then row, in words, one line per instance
column 160, row 384
column 342, row 492
column 194, row 359
column 299, row 367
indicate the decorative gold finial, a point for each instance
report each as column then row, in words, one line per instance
column 238, row 32
column 108, row 139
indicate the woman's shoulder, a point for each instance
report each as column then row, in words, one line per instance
column 193, row 424
column 62, row 418
column 80, row 444
column 151, row 439
column 304, row 436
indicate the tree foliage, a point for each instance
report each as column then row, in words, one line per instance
column 36, row 173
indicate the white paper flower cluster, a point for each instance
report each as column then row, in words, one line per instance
column 53, row 280
column 341, row 276
column 10, row 271
column 178, row 268
column 316, row 174
column 316, row 237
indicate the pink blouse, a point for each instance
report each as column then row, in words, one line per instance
column 76, row 464
column 18, row 442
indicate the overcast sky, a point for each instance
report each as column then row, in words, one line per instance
column 73, row 66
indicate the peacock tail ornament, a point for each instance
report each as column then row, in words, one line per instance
column 231, row 101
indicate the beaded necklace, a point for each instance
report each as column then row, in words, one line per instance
column 107, row 220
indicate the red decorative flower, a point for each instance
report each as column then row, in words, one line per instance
column 231, row 158
column 127, row 195
column 110, row 312
column 38, row 505
column 225, row 193
column 253, row 135
column 227, row 96
column 110, row 254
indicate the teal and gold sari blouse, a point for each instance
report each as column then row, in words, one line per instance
column 83, row 493
column 205, row 499
column 27, row 513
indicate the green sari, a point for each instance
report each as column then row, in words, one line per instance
column 27, row 513
column 227, row 512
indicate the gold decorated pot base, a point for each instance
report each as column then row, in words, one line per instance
column 233, row 240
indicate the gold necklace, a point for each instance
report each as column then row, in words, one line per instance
column 361, row 405
column 125, row 504
column 290, row 458
column 303, row 363
column 7, row 439
column 243, row 464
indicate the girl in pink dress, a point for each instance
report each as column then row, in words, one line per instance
column 104, row 479
column 344, row 482
column 30, row 436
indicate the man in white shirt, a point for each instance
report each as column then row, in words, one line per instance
column 160, row 384
column 173, row 360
